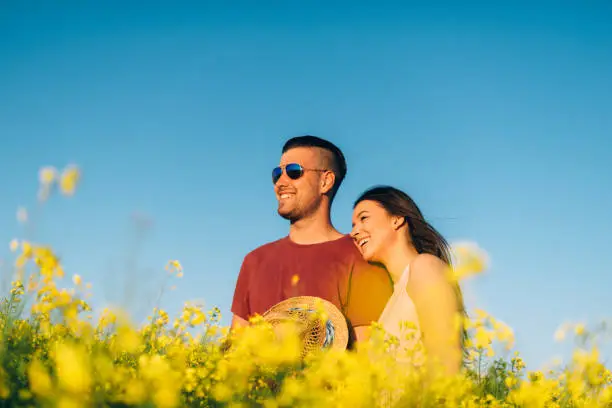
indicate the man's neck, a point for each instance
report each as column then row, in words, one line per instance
column 313, row 230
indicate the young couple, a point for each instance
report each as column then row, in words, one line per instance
column 393, row 267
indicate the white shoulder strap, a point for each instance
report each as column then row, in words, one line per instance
column 405, row 276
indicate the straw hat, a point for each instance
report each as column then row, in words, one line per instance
column 314, row 332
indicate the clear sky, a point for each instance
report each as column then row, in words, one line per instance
column 495, row 119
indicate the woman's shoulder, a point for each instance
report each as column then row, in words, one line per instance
column 430, row 280
column 428, row 269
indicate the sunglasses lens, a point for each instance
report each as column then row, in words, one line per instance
column 276, row 174
column 294, row 171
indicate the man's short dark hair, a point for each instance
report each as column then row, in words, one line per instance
column 338, row 160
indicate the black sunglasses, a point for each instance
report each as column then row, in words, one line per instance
column 293, row 170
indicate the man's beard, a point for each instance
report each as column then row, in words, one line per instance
column 292, row 216
column 298, row 213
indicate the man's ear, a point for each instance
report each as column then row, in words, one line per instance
column 327, row 181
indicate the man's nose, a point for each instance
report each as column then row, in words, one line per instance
column 283, row 180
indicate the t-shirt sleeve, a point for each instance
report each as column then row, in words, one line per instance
column 369, row 289
column 240, row 302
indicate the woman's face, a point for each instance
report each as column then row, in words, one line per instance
column 373, row 230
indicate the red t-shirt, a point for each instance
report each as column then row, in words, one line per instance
column 332, row 270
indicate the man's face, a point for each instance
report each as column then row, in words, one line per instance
column 302, row 196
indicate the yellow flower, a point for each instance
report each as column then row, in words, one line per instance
column 174, row 266
column 135, row 392
column 579, row 329
column 510, row 382
column 69, row 402
column 27, row 249
column 69, row 179
column 469, row 259
column 47, row 175
column 518, row 363
column 40, row 381
column 198, row 319
column 482, row 338
column 72, row 368
column 535, row 376
column 128, row 339
column 166, row 397
column 192, row 360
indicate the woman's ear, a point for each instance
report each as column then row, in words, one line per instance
column 397, row 222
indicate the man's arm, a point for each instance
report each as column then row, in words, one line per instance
column 369, row 290
column 240, row 302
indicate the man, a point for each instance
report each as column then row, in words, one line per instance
column 315, row 259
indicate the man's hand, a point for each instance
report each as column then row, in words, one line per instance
column 238, row 322
column 361, row 335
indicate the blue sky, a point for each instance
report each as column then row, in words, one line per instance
column 495, row 119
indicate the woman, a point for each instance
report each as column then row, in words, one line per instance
column 389, row 229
